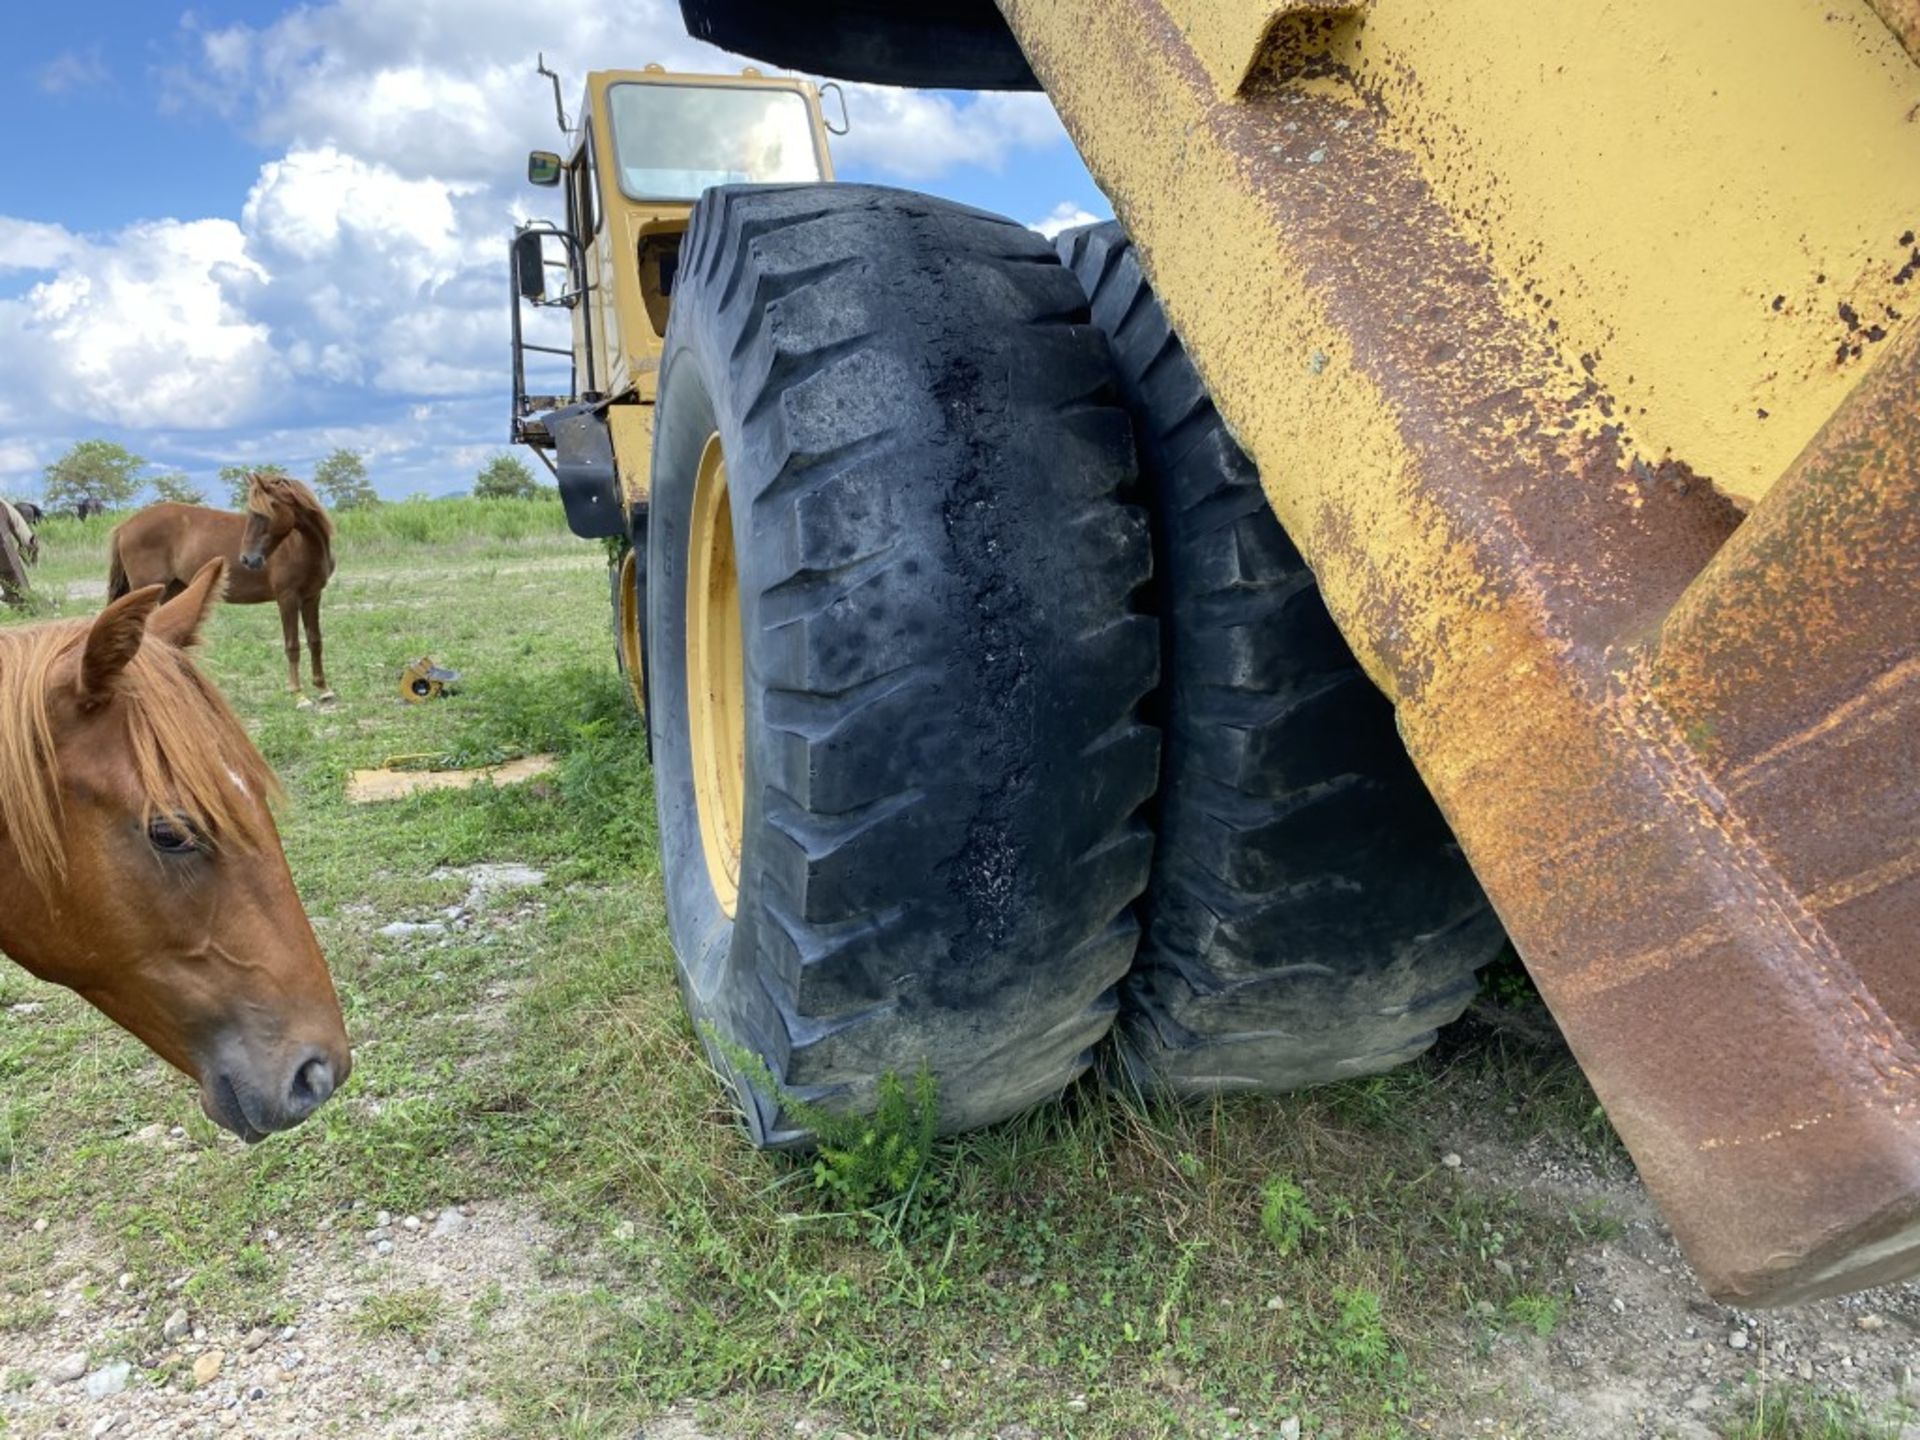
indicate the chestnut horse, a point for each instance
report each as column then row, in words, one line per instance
column 139, row 865
column 280, row 548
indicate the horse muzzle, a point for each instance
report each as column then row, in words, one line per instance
column 257, row 560
column 237, row 1102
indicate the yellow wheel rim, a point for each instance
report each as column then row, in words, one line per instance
column 632, row 643
column 716, row 676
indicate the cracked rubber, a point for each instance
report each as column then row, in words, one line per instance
column 929, row 472
column 1310, row 916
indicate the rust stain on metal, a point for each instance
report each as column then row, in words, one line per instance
column 1666, row 737
column 1903, row 19
column 1239, row 41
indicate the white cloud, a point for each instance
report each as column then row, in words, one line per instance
column 919, row 135
column 313, row 204
column 74, row 71
column 359, row 289
column 35, row 245
column 1064, row 216
column 143, row 330
column 20, row 467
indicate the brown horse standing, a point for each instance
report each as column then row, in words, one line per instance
column 139, row 865
column 280, row 549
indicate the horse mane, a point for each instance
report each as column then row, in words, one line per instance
column 189, row 751
column 309, row 515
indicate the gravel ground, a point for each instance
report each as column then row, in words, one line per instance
column 468, row 1278
column 1641, row 1351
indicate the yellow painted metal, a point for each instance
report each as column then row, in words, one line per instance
column 1708, row 200
column 631, row 627
column 716, row 675
column 632, row 427
column 626, row 309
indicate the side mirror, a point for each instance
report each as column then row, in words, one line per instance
column 543, row 169
column 529, row 266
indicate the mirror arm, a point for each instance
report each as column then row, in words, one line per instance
column 559, row 110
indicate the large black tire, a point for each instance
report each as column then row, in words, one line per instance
column 927, row 467
column 1310, row 915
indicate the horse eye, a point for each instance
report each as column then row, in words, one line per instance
column 174, row 835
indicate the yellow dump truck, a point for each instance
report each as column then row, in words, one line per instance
column 1472, row 491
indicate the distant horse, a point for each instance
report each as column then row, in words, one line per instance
column 19, row 525
column 87, row 509
column 139, row 865
column 283, row 546
column 19, row 548
column 29, row 511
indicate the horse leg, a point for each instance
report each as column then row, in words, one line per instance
column 310, row 613
column 290, row 637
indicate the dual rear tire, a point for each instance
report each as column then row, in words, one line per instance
column 904, row 617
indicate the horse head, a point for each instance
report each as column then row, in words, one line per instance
column 140, row 867
column 277, row 505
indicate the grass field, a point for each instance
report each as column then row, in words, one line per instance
column 1322, row 1265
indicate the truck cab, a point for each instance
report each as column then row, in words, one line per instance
column 642, row 147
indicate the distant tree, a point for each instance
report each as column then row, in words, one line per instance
column 342, row 481
column 505, row 477
column 234, row 477
column 178, row 488
column 97, row 470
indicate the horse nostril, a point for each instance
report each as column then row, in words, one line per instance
column 313, row 1082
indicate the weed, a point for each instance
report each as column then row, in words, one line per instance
column 1285, row 1215
column 1800, row 1412
column 1356, row 1338
column 1538, row 1313
column 411, row 1313
column 862, row 1161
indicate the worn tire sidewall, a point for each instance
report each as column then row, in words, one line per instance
column 692, row 406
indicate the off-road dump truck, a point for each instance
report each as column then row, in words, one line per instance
column 1482, row 461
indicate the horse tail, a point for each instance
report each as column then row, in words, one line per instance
column 116, row 572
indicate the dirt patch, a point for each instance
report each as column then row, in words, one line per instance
column 1639, row 1352
column 367, row 786
column 384, row 1331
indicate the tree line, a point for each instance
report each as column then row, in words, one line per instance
column 109, row 474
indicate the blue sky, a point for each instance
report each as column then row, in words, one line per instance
column 242, row 231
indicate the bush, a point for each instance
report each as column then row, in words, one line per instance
column 94, row 470
column 342, row 481
column 505, row 477
column 179, row 489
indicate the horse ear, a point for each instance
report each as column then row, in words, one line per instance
column 178, row 621
column 113, row 642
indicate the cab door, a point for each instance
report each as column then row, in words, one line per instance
column 595, row 323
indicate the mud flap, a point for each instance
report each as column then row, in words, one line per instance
column 583, row 464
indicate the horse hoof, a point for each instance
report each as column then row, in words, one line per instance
column 302, row 702
column 327, row 697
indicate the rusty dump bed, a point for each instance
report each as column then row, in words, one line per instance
column 1578, row 349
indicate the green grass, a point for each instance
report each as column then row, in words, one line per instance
column 1799, row 1412
column 413, row 1314
column 427, row 533
column 1308, row 1256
